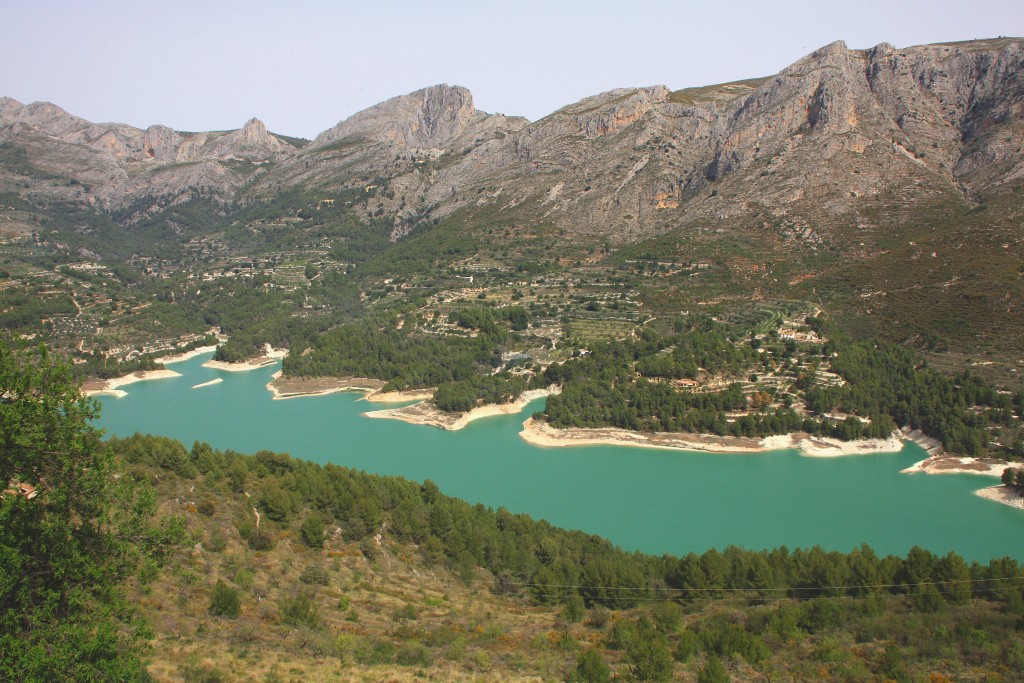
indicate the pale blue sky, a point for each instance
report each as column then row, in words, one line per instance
column 304, row 65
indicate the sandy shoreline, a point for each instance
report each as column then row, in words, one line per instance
column 425, row 414
column 269, row 357
column 188, row 355
column 1002, row 494
column 540, row 433
column 111, row 387
column 955, row 464
column 289, row 387
column 296, row 387
column 938, row 462
column 931, row 445
column 399, row 396
column 826, row 447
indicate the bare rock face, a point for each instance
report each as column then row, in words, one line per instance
column 254, row 135
column 251, row 141
column 9, row 108
column 46, row 117
column 840, row 141
column 610, row 112
column 805, row 149
column 915, row 124
column 122, row 165
column 161, row 143
column 428, row 118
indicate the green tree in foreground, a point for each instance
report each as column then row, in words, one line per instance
column 65, row 544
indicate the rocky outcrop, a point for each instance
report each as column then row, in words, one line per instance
column 251, row 141
column 118, row 165
column 800, row 154
column 428, row 118
column 610, row 112
column 161, row 143
column 912, row 125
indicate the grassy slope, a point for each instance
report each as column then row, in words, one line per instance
column 378, row 610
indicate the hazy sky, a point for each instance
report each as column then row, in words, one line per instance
column 304, row 65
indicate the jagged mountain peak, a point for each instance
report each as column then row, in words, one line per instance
column 835, row 53
column 254, row 134
column 627, row 163
column 9, row 105
column 428, row 118
column 44, row 116
column 835, row 47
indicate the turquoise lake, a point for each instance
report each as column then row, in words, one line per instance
column 656, row 501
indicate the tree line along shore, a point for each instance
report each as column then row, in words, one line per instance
column 541, row 430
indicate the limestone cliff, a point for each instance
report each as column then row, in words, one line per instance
column 431, row 118
column 117, row 165
column 841, row 141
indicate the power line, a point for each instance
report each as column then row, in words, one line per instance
column 736, row 590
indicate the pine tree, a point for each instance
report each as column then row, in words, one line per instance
column 69, row 530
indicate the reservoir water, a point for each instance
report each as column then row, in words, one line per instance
column 656, row 501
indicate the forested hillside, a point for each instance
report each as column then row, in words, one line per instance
column 349, row 575
column 202, row 564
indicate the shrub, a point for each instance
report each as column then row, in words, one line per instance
column 261, row 540
column 649, row 657
column 574, row 609
column 713, row 671
column 407, row 611
column 312, row 531
column 243, row 578
column 687, row 646
column 300, row 610
column 371, row 651
column 414, row 654
column 590, row 668
column 246, row 528
column 224, row 601
column 314, row 574
column 599, row 617
column 667, row 616
column 216, row 541
column 622, row 634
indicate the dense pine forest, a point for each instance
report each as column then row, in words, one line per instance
column 883, row 386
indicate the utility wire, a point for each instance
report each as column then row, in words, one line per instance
column 768, row 589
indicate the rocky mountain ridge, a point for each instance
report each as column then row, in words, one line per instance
column 812, row 151
column 433, row 118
